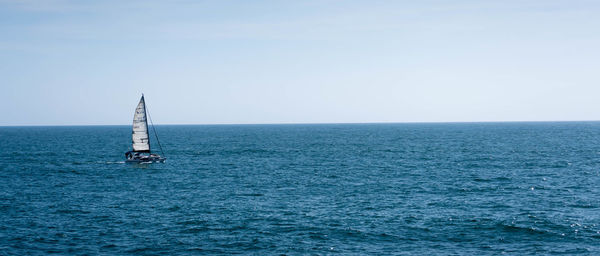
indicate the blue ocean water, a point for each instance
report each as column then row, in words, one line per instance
column 351, row 189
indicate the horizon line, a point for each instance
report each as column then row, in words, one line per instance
column 310, row 123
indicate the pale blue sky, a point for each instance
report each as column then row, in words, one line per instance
column 206, row 62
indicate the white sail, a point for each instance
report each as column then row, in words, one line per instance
column 139, row 136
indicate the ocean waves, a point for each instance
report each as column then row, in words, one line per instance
column 388, row 189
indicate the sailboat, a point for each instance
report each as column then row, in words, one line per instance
column 140, row 139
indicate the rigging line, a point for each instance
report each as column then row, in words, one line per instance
column 155, row 134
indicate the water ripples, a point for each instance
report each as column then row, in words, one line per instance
column 520, row 188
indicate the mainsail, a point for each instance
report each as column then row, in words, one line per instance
column 139, row 136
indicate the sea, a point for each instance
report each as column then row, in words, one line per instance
column 522, row 188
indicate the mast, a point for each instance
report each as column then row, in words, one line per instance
column 146, row 118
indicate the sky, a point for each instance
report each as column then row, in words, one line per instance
column 328, row 61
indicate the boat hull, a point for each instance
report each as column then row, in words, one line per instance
column 146, row 160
